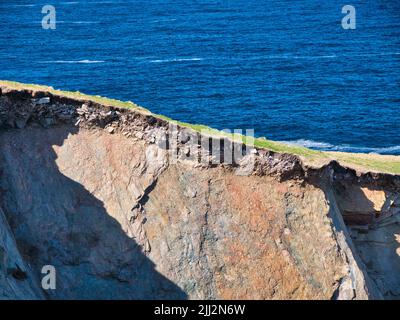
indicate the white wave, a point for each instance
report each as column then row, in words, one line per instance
column 176, row 60
column 163, row 20
column 331, row 56
column 24, row 5
column 310, row 144
column 324, row 146
column 327, row 56
column 383, row 150
column 75, row 61
column 288, row 56
column 84, row 22
column 77, row 22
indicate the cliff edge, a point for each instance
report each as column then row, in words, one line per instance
column 128, row 205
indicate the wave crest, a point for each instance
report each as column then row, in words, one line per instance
column 324, row 146
column 75, row 61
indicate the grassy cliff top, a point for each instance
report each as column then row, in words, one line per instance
column 359, row 161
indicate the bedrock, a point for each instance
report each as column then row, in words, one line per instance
column 92, row 191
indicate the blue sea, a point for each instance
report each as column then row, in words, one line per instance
column 286, row 69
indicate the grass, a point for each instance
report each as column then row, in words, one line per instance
column 359, row 161
column 369, row 162
column 73, row 95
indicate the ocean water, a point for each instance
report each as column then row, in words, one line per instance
column 286, row 69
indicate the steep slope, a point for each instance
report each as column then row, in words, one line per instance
column 127, row 206
column 17, row 281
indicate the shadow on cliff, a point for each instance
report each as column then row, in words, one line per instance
column 57, row 221
column 379, row 247
column 371, row 235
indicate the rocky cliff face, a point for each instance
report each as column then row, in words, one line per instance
column 96, row 192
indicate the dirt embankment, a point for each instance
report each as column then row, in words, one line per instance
column 124, row 208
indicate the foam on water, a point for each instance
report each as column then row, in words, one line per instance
column 323, row 146
column 176, row 60
column 75, row 61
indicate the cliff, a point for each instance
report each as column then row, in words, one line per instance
column 127, row 206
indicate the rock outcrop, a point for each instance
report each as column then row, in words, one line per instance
column 124, row 208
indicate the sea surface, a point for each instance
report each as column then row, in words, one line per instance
column 286, row 69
